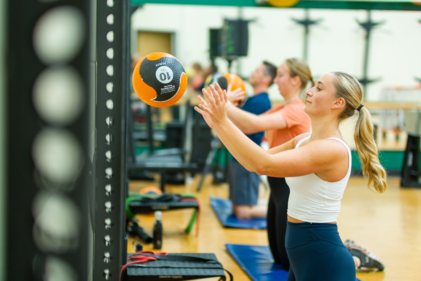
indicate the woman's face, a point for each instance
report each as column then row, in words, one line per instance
column 283, row 80
column 321, row 97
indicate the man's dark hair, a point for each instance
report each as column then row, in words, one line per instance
column 270, row 70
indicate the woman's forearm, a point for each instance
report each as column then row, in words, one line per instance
column 247, row 153
column 244, row 120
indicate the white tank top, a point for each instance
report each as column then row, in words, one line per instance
column 312, row 199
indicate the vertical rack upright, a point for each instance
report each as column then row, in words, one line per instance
column 111, row 84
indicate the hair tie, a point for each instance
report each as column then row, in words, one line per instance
column 361, row 106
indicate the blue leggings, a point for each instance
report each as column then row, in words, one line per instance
column 316, row 252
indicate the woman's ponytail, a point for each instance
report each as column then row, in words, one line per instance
column 312, row 82
column 350, row 90
column 367, row 150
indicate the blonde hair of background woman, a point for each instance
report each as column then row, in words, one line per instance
column 348, row 88
column 301, row 69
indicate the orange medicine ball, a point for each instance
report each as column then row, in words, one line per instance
column 159, row 79
column 151, row 190
column 235, row 81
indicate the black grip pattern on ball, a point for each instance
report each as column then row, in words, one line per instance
column 223, row 82
column 165, row 92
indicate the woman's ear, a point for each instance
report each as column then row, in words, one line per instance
column 296, row 80
column 339, row 103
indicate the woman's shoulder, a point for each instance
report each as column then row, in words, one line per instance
column 332, row 145
column 298, row 138
column 275, row 109
column 339, row 141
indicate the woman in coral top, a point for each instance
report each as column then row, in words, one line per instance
column 282, row 123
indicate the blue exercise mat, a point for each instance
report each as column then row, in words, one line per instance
column 257, row 262
column 223, row 210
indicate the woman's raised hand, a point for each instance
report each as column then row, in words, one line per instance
column 236, row 95
column 214, row 107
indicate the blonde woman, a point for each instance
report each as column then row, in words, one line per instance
column 317, row 167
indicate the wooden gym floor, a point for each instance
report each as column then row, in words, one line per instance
column 389, row 225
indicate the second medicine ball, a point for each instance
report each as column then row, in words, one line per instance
column 234, row 80
column 282, row 3
column 159, row 79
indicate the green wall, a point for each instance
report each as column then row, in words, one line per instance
column 391, row 160
column 310, row 4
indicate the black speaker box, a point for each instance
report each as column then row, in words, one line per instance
column 235, row 39
column 215, row 43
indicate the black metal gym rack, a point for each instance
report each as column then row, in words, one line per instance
column 112, row 84
column 38, row 201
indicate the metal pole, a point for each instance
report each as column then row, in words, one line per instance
column 240, row 17
column 306, row 34
column 366, row 53
column 149, row 126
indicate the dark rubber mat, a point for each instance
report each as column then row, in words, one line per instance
column 176, row 270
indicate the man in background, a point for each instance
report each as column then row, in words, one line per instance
column 244, row 185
